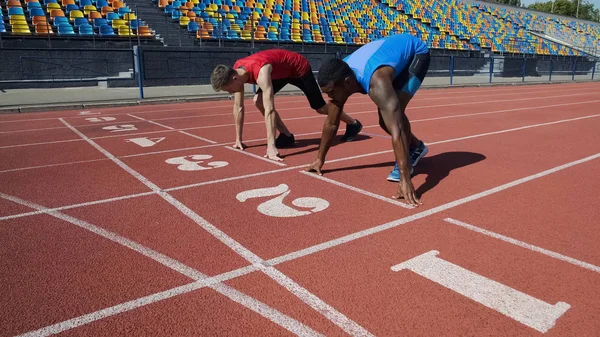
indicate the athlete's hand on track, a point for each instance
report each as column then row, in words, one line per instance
column 239, row 145
column 316, row 166
column 407, row 190
column 273, row 155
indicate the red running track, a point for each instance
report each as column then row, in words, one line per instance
column 144, row 221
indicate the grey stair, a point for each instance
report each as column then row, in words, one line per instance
column 164, row 27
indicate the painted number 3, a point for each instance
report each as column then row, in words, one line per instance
column 276, row 208
column 192, row 163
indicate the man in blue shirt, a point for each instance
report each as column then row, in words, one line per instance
column 390, row 71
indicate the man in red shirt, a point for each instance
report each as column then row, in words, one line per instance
column 272, row 70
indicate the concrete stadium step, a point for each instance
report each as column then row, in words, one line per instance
column 167, row 30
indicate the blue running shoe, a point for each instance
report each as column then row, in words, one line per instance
column 417, row 153
column 395, row 174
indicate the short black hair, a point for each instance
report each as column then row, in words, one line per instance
column 334, row 70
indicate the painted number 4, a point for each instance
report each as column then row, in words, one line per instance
column 192, row 163
column 120, row 128
column 276, row 208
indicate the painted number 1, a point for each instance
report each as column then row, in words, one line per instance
column 521, row 307
column 276, row 208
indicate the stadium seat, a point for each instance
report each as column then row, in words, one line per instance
column 86, row 30
column 93, row 16
column 99, row 22
column 75, row 14
column 65, row 29
column 125, row 31
column 144, row 31
column 184, row 21
column 106, row 30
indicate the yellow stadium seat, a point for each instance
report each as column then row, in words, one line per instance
column 125, row 31
column 52, row 6
column 129, row 17
column 184, row 21
column 20, row 28
column 119, row 23
column 75, row 14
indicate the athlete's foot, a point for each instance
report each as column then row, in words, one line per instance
column 417, row 153
column 395, row 174
column 284, row 141
column 352, row 130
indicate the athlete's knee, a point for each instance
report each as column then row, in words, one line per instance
column 323, row 110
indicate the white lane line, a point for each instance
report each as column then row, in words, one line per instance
column 501, row 111
column 172, row 128
column 441, row 208
column 313, row 133
column 525, row 245
column 275, row 316
column 89, row 203
column 577, row 93
column 247, row 153
column 53, row 165
column 359, row 190
column 152, row 254
column 342, row 321
column 286, row 169
column 117, row 309
column 41, row 143
column 429, row 95
column 514, row 129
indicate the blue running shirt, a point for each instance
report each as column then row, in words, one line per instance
column 396, row 51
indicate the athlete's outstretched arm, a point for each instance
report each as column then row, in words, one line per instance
column 268, row 96
column 330, row 128
column 383, row 94
column 238, row 116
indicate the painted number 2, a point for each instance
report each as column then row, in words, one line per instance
column 521, row 307
column 276, row 208
column 192, row 163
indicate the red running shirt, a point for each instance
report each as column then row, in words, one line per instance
column 285, row 64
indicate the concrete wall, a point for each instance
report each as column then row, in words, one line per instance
column 57, row 66
column 180, row 66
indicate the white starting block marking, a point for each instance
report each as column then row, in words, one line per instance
column 145, row 141
column 120, row 128
column 519, row 306
column 88, row 113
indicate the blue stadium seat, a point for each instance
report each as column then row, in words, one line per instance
column 80, row 21
column 65, row 29
column 99, row 22
column 192, row 27
column 36, row 12
column 106, row 30
column 15, row 11
column 70, row 8
column 31, row 5
column 112, row 16
column 86, row 30
column 59, row 20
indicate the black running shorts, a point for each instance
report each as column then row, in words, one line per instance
column 308, row 85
